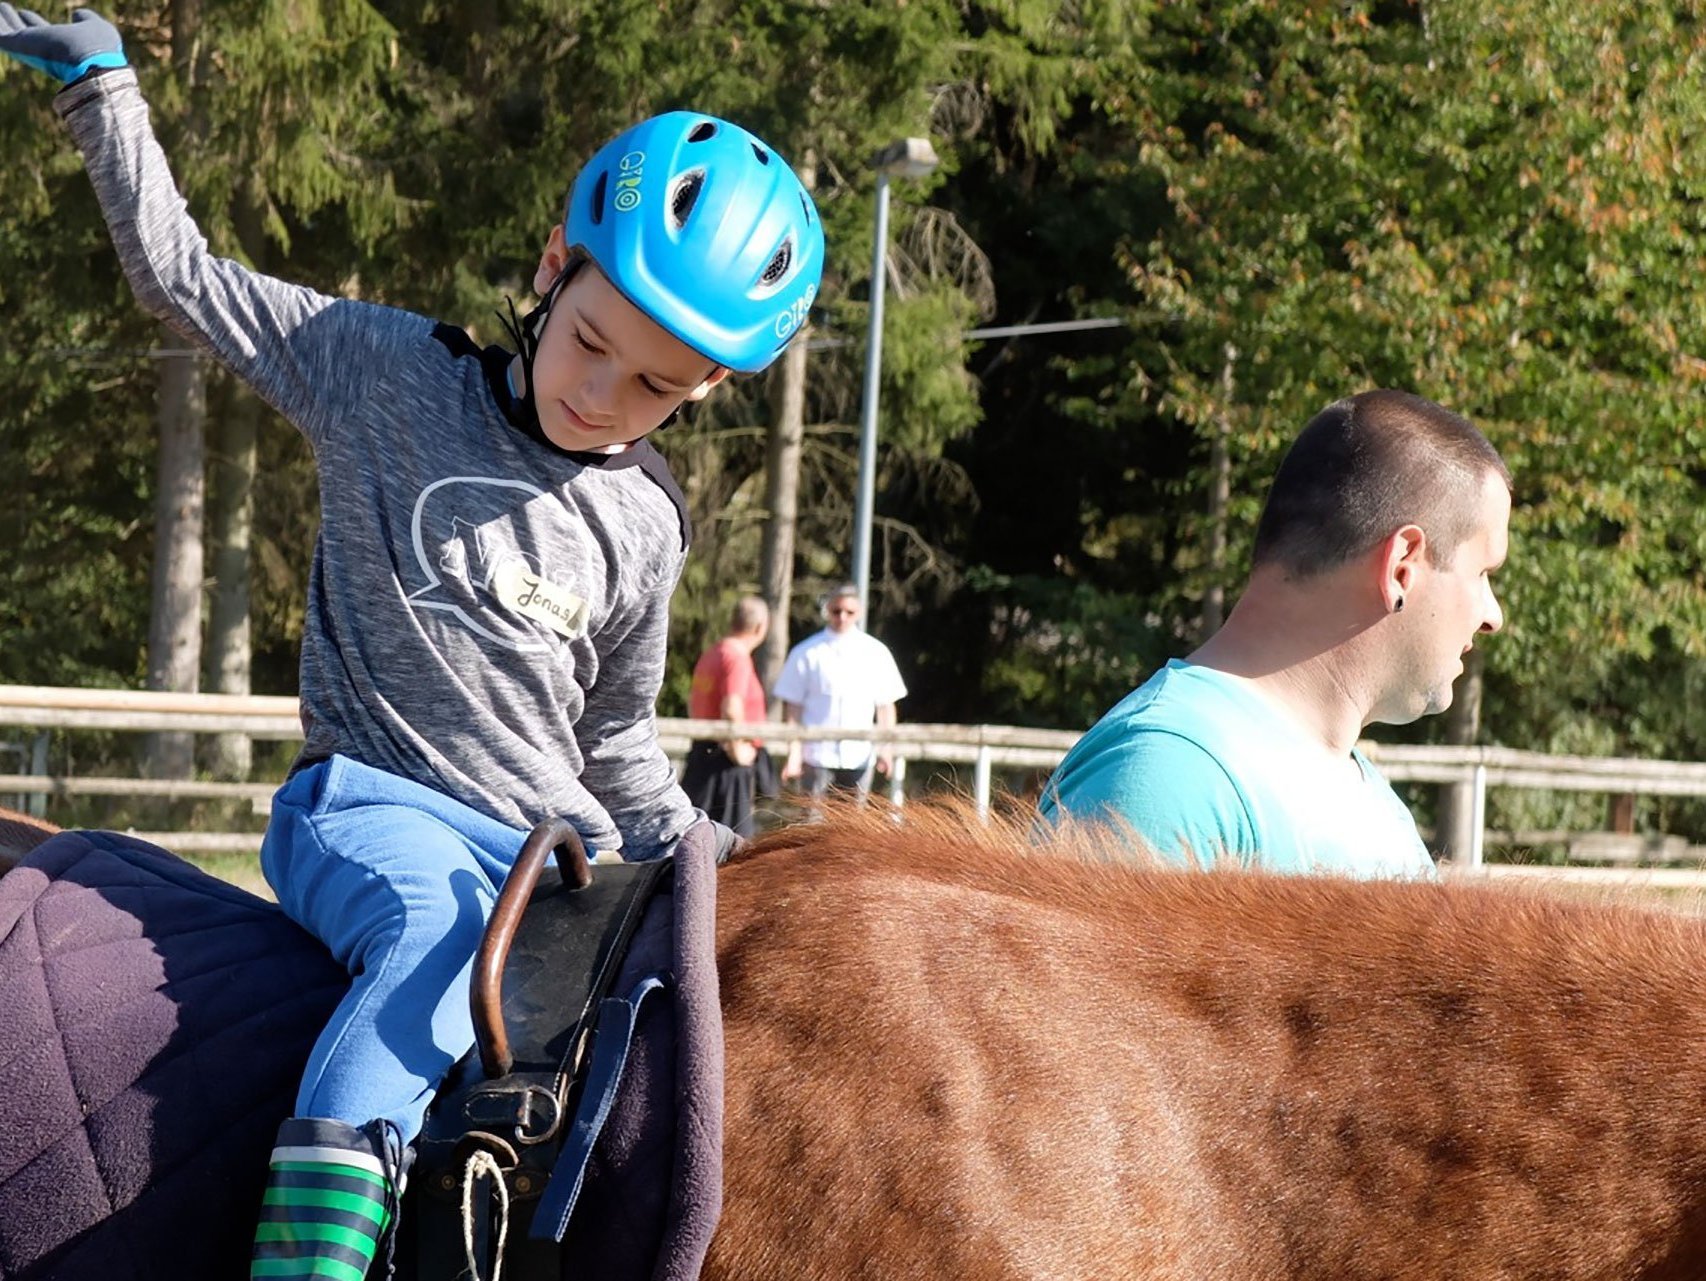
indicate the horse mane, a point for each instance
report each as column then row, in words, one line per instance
column 1460, row 935
column 19, row 834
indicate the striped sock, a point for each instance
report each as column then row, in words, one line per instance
column 327, row 1205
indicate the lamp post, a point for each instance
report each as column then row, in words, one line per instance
column 905, row 158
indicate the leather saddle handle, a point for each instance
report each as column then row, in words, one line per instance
column 485, row 995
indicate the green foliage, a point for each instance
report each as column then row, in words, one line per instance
column 1497, row 206
column 1499, row 209
column 74, row 432
column 1063, row 652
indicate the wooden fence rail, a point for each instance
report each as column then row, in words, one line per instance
column 984, row 747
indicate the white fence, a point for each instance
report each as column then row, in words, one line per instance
column 985, row 748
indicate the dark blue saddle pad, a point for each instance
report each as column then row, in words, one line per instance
column 154, row 1023
column 654, row 1184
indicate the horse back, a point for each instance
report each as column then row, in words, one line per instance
column 949, row 1056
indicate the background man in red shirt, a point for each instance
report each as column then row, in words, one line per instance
column 722, row 777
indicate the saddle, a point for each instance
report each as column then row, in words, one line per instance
column 545, row 1007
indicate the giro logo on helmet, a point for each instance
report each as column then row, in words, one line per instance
column 627, row 195
column 795, row 315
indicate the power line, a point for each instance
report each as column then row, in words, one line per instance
column 830, row 342
column 1047, row 327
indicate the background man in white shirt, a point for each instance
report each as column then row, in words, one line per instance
column 841, row 678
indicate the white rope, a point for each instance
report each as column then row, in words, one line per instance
column 481, row 1164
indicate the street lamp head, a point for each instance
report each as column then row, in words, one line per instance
column 905, row 158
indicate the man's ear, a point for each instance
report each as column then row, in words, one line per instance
column 1401, row 558
column 704, row 389
column 551, row 262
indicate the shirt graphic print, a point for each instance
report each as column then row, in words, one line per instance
column 470, row 548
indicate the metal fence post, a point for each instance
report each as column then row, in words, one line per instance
column 36, row 805
column 1478, row 817
column 980, row 779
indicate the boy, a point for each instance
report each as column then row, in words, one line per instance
column 488, row 601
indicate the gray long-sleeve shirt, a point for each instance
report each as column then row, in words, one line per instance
column 487, row 614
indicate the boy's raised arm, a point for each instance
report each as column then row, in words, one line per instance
column 302, row 351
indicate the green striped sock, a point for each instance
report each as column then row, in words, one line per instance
column 327, row 1205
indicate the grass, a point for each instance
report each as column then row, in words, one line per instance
column 241, row 868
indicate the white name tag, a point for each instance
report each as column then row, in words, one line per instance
column 527, row 594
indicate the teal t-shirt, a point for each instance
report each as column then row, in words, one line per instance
column 1202, row 766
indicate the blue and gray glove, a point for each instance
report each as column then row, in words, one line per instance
column 67, row 51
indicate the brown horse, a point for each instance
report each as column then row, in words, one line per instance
column 952, row 1054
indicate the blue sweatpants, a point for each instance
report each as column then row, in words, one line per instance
column 397, row 880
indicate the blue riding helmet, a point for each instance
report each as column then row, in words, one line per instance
column 705, row 229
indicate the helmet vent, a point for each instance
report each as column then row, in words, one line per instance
column 806, row 210
column 701, row 132
column 683, row 195
column 778, row 265
column 761, row 153
column 598, row 188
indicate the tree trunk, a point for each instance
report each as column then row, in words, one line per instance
column 783, row 446
column 174, row 627
column 1456, row 834
column 1620, row 813
column 231, row 756
column 231, row 514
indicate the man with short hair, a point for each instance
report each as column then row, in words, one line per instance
column 723, row 777
column 842, row 678
column 1371, row 580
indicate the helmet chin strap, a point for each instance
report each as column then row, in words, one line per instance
column 525, row 334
